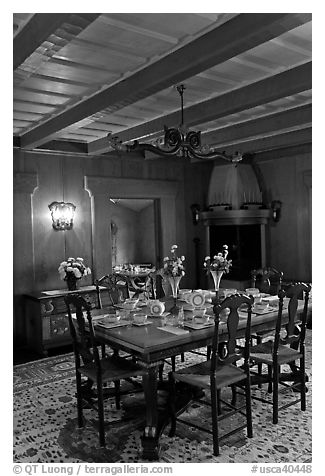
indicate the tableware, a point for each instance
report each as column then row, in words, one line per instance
column 107, row 325
column 198, row 325
column 130, row 303
column 199, row 311
column 181, row 292
column 156, row 307
column 252, row 291
column 201, row 319
column 139, row 318
column 112, row 318
column 195, row 298
column 188, row 307
column 139, row 324
column 261, row 306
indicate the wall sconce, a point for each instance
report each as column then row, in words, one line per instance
column 195, row 209
column 276, row 210
column 62, row 215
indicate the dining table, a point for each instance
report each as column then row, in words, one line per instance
column 156, row 340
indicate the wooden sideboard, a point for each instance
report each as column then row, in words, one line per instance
column 47, row 323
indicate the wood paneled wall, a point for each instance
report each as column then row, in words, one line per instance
column 41, row 178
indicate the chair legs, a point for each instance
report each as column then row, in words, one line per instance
column 117, row 386
column 101, row 414
column 249, row 408
column 303, row 382
column 171, row 404
column 215, row 410
column 276, row 371
column 79, row 400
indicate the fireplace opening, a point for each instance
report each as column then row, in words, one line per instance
column 244, row 242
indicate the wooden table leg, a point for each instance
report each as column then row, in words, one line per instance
column 150, row 438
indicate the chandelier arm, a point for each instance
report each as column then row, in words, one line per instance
column 151, row 148
column 212, row 155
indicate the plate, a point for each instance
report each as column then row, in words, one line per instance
column 264, row 311
column 139, row 324
column 111, row 325
column 188, row 307
column 197, row 299
column 164, row 314
column 198, row 325
column 120, row 306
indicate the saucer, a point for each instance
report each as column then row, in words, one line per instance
column 139, row 324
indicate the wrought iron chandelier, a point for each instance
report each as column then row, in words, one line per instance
column 180, row 142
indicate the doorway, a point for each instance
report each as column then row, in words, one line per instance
column 134, row 227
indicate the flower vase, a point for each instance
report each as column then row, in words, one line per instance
column 166, row 287
column 71, row 281
column 216, row 275
column 174, row 284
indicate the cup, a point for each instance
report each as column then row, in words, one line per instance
column 112, row 318
column 130, row 303
column 139, row 318
column 200, row 311
column 252, row 291
column 261, row 306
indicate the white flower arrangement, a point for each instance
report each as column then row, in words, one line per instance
column 219, row 261
column 173, row 266
column 73, row 267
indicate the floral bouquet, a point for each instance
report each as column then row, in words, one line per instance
column 173, row 265
column 219, row 261
column 73, row 269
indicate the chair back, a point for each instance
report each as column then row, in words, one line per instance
column 232, row 303
column 82, row 330
column 267, row 280
column 116, row 287
column 292, row 336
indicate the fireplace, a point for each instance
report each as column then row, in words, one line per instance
column 244, row 242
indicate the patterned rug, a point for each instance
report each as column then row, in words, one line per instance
column 46, row 430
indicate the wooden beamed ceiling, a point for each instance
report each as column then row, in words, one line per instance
column 79, row 77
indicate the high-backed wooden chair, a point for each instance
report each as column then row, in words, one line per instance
column 286, row 350
column 89, row 364
column 116, row 287
column 267, row 280
column 218, row 373
column 140, row 286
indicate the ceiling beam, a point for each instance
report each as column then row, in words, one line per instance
column 276, row 141
column 281, row 85
column 242, row 33
column 290, row 118
column 32, row 35
column 40, row 27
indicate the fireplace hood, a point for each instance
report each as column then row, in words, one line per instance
column 235, row 197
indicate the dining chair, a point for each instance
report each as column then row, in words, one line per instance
column 116, row 287
column 286, row 349
column 141, row 286
column 88, row 364
column 267, row 280
column 218, row 373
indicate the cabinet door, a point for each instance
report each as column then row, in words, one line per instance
column 55, row 330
